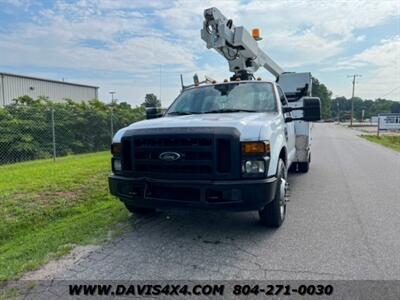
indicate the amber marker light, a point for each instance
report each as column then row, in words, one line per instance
column 256, row 33
column 255, row 147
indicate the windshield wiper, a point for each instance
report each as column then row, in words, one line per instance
column 228, row 110
column 183, row 113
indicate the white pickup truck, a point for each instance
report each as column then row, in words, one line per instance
column 220, row 145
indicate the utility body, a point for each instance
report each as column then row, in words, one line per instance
column 220, row 145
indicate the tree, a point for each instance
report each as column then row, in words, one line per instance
column 150, row 100
column 321, row 91
column 80, row 127
column 370, row 107
column 396, row 107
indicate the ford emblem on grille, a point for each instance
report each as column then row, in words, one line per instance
column 170, row 156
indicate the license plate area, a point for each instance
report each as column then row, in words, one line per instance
column 164, row 192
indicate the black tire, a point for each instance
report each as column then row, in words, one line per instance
column 273, row 214
column 303, row 167
column 140, row 211
column 293, row 168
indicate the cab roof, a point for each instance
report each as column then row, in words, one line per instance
column 228, row 82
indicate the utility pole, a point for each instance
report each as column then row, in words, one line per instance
column 352, row 97
column 53, row 133
column 160, row 83
column 112, row 97
column 338, row 110
column 111, row 115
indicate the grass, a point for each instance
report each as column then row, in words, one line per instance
column 392, row 142
column 47, row 207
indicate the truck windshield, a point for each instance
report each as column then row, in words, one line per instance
column 225, row 98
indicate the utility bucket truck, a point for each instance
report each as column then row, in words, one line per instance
column 220, row 145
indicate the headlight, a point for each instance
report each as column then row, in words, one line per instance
column 253, row 167
column 117, row 164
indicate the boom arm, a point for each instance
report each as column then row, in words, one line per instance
column 237, row 45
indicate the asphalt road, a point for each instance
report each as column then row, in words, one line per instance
column 343, row 222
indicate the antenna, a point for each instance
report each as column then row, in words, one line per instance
column 183, row 87
column 196, row 79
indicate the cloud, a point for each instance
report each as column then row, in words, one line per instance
column 134, row 37
column 385, row 59
column 328, row 26
column 384, row 55
column 325, row 18
column 63, row 39
column 380, row 65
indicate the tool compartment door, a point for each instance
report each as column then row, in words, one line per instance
column 295, row 86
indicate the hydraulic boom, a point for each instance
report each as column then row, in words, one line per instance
column 237, row 45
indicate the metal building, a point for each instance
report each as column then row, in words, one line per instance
column 13, row 86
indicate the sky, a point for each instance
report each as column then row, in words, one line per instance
column 134, row 47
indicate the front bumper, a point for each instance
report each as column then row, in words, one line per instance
column 240, row 195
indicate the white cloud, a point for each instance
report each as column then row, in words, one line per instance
column 360, row 38
column 386, row 54
column 302, row 32
column 385, row 76
column 380, row 65
column 339, row 18
column 313, row 31
column 130, row 4
column 58, row 43
column 139, row 35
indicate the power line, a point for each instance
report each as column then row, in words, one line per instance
column 391, row 91
column 160, row 83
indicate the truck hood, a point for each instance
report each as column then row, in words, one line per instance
column 248, row 124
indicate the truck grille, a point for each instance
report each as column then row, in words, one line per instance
column 200, row 155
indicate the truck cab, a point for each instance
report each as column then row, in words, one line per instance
column 218, row 146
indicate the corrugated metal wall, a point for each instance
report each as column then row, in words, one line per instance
column 12, row 87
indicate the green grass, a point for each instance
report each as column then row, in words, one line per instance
column 392, row 142
column 47, row 207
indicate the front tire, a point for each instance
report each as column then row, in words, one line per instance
column 273, row 214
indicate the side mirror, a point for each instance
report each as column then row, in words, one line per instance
column 311, row 109
column 153, row 113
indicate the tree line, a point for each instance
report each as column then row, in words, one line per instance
column 340, row 107
column 26, row 130
column 331, row 108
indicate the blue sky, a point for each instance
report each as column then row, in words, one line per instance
column 124, row 46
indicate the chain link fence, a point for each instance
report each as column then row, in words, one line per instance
column 41, row 132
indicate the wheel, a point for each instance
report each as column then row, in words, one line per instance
column 303, row 167
column 273, row 214
column 139, row 210
column 293, row 168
